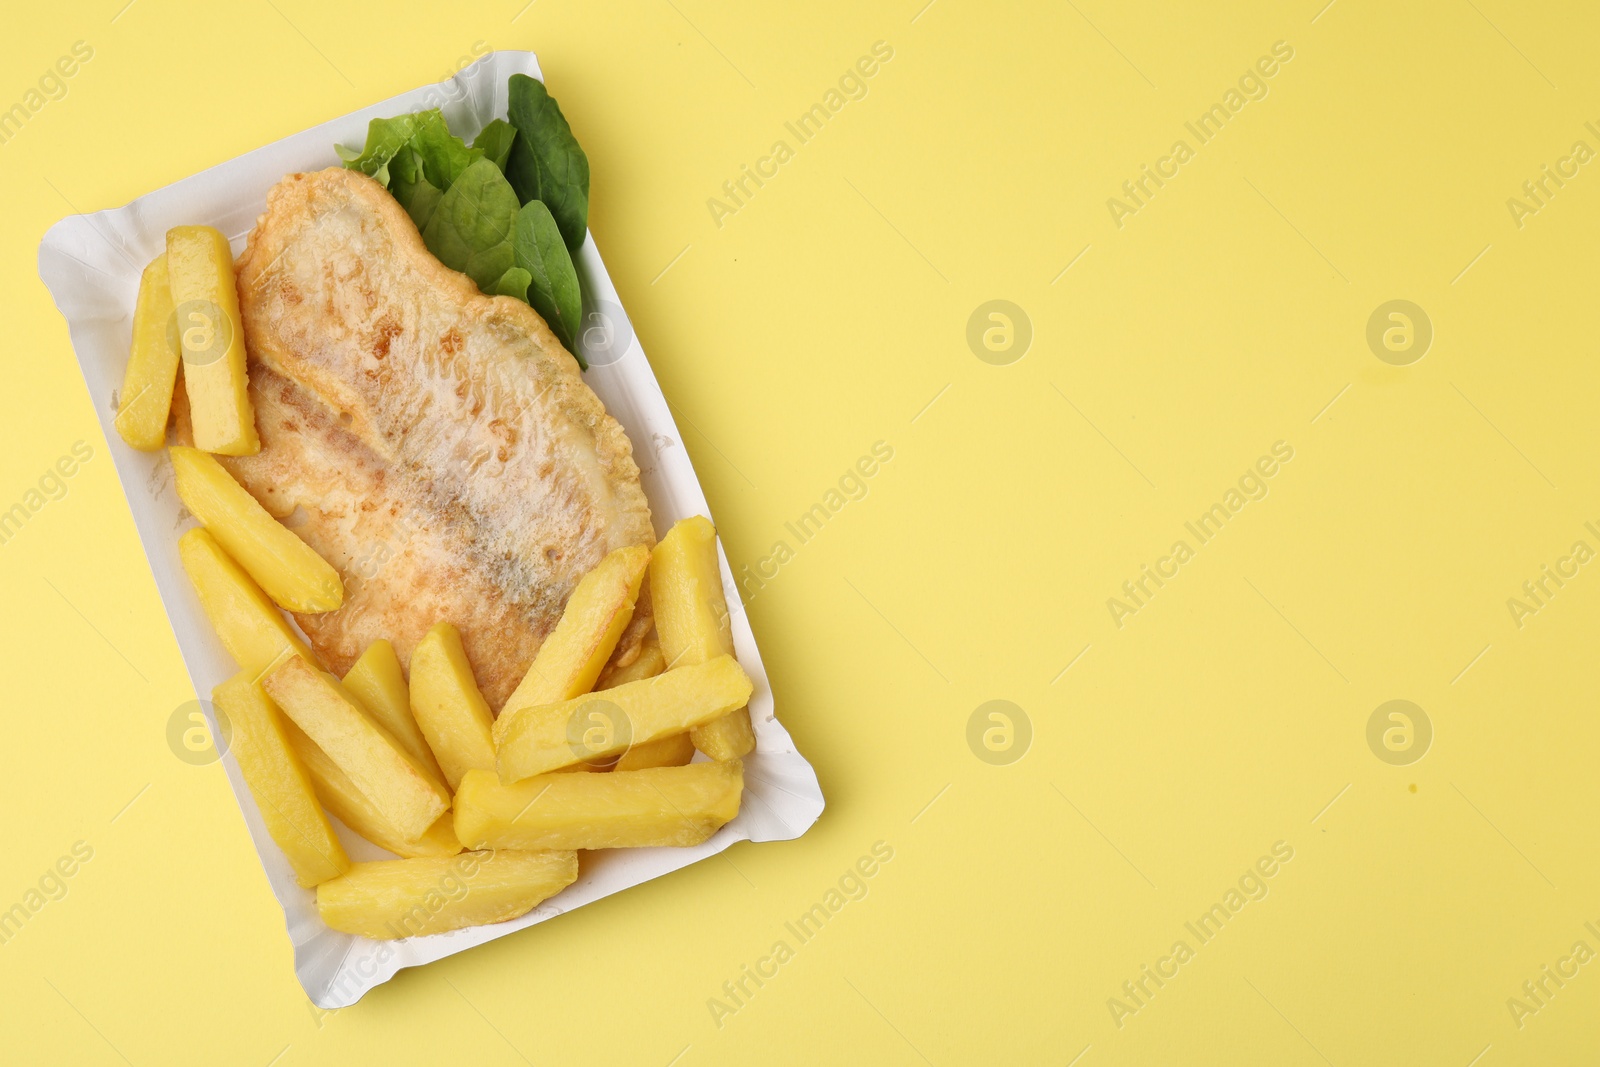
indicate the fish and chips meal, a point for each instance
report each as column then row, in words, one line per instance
column 421, row 537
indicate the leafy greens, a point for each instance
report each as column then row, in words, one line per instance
column 546, row 162
column 505, row 210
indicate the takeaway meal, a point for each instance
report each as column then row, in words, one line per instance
column 422, row 539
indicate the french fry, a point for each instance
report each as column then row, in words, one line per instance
column 597, row 612
column 686, row 594
column 380, row 685
column 440, row 840
column 540, row 739
column 448, row 707
column 673, row 750
column 147, row 384
column 650, row 663
column 200, row 274
column 252, row 629
column 623, row 809
column 692, row 619
column 279, row 782
column 346, row 803
column 287, row 569
column 385, row 773
column 392, row 899
column 730, row 737
column 660, row 753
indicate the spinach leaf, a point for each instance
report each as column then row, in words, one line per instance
column 416, row 194
column 553, row 285
column 471, row 228
column 444, row 155
column 494, row 141
column 546, row 161
column 385, row 139
column 514, row 282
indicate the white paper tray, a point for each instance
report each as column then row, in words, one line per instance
column 91, row 265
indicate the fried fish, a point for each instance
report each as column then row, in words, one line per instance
column 437, row 446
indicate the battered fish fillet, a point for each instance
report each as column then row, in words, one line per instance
column 436, row 445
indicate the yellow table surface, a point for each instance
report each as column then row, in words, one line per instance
column 1173, row 741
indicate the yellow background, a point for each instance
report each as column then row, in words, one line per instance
column 823, row 317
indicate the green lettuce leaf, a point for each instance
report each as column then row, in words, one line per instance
column 385, row 139
column 444, row 155
column 416, row 194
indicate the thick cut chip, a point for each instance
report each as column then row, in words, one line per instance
column 730, row 737
column 392, row 899
column 347, row 803
column 672, row 751
column 279, row 782
column 206, row 304
column 623, row 809
column 545, row 738
column 650, row 663
column 378, row 681
column 285, row 567
column 147, row 385
column 384, row 772
column 445, row 700
column 572, row 657
column 447, row 457
column 596, row 728
column 692, row 620
column 686, row 587
column 252, row 629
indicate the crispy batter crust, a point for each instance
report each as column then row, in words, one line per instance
column 438, row 446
